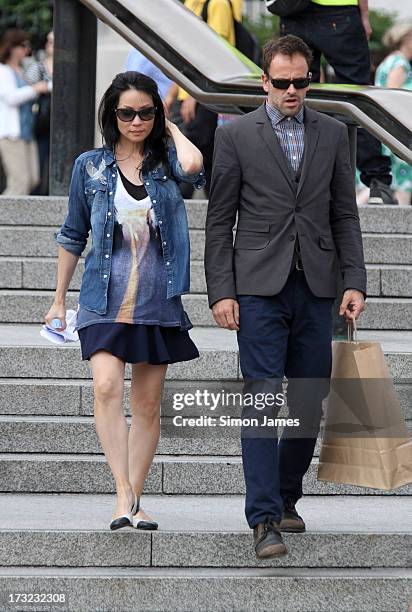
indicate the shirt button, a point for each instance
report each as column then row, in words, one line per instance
column 160, row 222
column 170, row 282
column 108, row 235
column 164, row 178
column 107, row 257
column 109, row 214
column 110, row 192
column 168, row 263
column 164, row 242
column 114, row 165
column 94, row 190
column 147, row 182
column 104, row 275
column 290, row 133
column 154, row 201
column 294, row 157
column 113, row 175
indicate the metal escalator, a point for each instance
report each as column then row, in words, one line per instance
column 215, row 73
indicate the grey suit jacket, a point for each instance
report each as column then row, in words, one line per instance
column 251, row 179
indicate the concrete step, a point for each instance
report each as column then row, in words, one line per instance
column 78, row 435
column 169, row 474
column 25, row 354
column 387, row 313
column 117, row 589
column 42, row 211
column 29, row 241
column 200, row 531
column 41, row 273
column 29, row 306
column 37, row 273
column 52, row 397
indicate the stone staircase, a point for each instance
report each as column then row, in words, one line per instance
column 57, row 491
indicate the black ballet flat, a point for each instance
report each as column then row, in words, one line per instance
column 125, row 520
column 145, row 525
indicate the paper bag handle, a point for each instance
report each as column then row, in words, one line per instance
column 352, row 331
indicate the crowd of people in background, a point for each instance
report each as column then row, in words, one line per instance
column 25, row 102
column 26, row 85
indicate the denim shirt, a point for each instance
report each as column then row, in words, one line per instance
column 91, row 207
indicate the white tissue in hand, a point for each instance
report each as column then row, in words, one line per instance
column 60, row 337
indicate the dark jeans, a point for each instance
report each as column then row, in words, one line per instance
column 286, row 334
column 338, row 34
column 201, row 131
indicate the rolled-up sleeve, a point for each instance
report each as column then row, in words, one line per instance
column 197, row 179
column 74, row 232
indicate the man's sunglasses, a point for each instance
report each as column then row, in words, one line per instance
column 286, row 83
column 128, row 114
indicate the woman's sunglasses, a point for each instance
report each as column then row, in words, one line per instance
column 128, row 114
column 286, row 83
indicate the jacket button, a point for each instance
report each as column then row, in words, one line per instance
column 298, row 208
column 291, row 236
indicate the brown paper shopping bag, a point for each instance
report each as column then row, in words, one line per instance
column 365, row 442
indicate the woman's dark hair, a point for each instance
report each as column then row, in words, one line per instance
column 286, row 45
column 155, row 143
column 13, row 37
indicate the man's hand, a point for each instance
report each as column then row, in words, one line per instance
column 188, row 109
column 355, row 299
column 226, row 313
column 367, row 26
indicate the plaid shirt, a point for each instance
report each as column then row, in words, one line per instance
column 290, row 132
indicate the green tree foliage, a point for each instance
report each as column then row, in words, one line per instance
column 32, row 16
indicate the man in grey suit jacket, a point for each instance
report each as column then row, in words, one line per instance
column 284, row 170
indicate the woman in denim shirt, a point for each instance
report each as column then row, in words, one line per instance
column 130, row 309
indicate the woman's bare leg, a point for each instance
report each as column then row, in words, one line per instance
column 145, row 395
column 111, row 424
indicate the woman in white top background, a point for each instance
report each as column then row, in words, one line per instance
column 17, row 147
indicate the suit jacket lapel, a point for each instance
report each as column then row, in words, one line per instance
column 266, row 132
column 311, row 142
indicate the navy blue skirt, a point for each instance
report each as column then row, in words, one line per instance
column 134, row 343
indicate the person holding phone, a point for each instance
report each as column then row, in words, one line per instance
column 130, row 308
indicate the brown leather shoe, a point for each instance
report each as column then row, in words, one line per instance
column 291, row 521
column 268, row 540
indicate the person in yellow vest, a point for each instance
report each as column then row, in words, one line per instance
column 339, row 30
column 199, row 123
